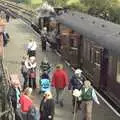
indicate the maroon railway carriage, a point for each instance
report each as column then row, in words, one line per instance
column 93, row 45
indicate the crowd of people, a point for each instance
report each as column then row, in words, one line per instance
column 82, row 93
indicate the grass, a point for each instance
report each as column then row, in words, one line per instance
column 33, row 3
column 36, row 1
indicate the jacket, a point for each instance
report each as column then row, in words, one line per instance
column 48, row 109
column 76, row 83
column 59, row 79
column 26, row 103
column 45, row 85
column 45, row 67
column 12, row 97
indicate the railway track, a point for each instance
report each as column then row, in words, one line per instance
column 17, row 11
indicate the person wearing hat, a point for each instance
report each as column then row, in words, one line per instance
column 76, row 82
column 59, row 81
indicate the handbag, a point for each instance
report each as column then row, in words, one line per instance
column 32, row 75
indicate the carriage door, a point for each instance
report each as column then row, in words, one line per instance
column 41, row 23
column 46, row 22
column 73, row 50
column 104, row 69
column 96, row 52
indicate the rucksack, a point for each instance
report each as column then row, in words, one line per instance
column 33, row 75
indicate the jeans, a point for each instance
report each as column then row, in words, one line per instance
column 25, row 76
column 59, row 94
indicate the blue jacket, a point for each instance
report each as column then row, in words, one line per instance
column 45, row 85
column 76, row 83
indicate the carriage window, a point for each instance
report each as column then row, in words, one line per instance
column 118, row 70
column 91, row 55
column 88, row 51
column 73, row 42
column 84, row 49
column 97, row 58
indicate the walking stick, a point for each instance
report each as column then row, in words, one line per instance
column 74, row 115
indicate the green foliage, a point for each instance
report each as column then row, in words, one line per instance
column 106, row 9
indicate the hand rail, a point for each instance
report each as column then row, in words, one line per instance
column 7, row 109
column 5, row 112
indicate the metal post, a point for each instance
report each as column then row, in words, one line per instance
column 75, row 107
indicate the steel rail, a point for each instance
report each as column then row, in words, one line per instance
column 10, row 4
column 16, row 13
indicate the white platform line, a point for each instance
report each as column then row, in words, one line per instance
column 58, row 53
column 67, row 63
column 110, row 106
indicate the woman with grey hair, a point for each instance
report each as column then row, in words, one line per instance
column 88, row 96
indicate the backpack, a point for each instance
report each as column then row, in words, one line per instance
column 33, row 74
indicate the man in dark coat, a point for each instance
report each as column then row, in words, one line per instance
column 12, row 97
column 76, row 82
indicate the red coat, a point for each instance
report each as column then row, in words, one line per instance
column 59, row 79
column 26, row 103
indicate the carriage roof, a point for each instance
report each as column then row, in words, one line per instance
column 107, row 34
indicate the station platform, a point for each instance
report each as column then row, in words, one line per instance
column 20, row 33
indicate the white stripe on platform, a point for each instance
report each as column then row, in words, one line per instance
column 67, row 62
column 58, row 53
column 110, row 106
